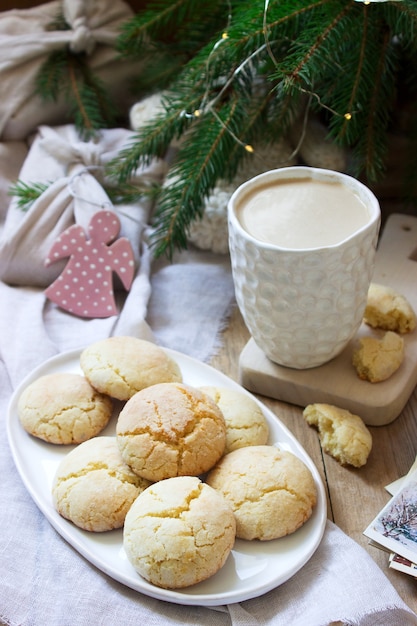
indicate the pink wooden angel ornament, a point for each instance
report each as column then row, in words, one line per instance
column 85, row 286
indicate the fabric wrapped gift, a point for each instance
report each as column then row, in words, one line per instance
column 73, row 170
column 26, row 41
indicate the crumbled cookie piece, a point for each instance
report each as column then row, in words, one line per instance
column 342, row 434
column 179, row 532
column 94, row 488
column 272, row 492
column 246, row 424
column 388, row 310
column 377, row 359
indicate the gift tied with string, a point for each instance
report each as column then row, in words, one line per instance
column 84, row 30
column 72, row 241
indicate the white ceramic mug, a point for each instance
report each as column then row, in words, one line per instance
column 302, row 244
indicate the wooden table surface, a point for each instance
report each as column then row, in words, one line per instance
column 355, row 496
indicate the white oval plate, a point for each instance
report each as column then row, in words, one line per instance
column 252, row 568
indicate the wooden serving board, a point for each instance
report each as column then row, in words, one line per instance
column 337, row 382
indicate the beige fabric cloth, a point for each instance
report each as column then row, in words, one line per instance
column 73, row 169
column 26, row 41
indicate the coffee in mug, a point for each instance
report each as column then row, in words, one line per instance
column 302, row 245
column 302, row 213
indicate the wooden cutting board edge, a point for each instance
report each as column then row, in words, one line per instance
column 336, row 382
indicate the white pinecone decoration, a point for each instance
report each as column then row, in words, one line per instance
column 210, row 232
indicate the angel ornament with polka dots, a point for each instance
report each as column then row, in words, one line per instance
column 85, row 286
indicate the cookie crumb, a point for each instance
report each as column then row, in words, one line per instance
column 342, row 434
column 378, row 359
column 388, row 310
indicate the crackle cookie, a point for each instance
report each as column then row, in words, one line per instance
column 63, row 408
column 272, row 492
column 122, row 366
column 94, row 488
column 377, row 359
column 179, row 532
column 171, row 429
column 388, row 310
column 342, row 434
column 246, row 424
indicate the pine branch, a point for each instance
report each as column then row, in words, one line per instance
column 401, row 18
column 341, row 57
column 192, row 177
column 371, row 147
column 68, row 75
column 131, row 194
column 26, row 193
column 311, row 42
column 252, row 128
column 91, row 106
column 157, row 73
column 153, row 139
column 150, row 142
column 182, row 26
column 51, row 75
column 346, row 129
column 58, row 23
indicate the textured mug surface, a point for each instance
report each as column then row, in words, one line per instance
column 302, row 306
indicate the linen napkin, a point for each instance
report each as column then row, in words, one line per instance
column 43, row 580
